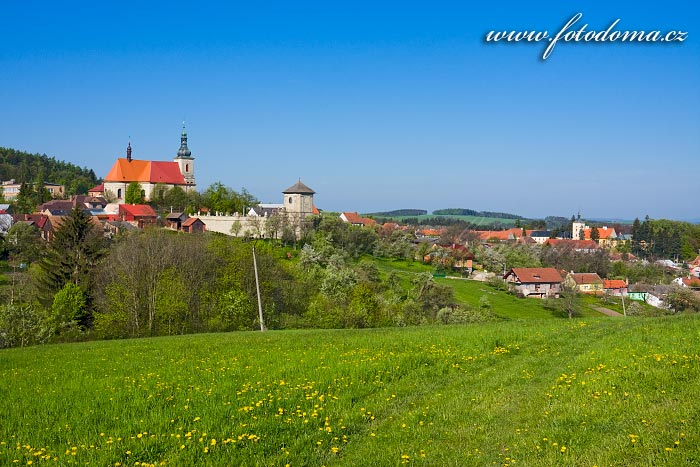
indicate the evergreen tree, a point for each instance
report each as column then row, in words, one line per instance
column 595, row 235
column 25, row 202
column 75, row 249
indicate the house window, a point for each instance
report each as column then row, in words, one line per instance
column 119, row 193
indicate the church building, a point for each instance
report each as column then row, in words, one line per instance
column 179, row 172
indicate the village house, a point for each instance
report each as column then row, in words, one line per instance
column 193, row 225
column 174, row 220
column 139, row 215
column 10, row 189
column 616, row 287
column 60, row 207
column 179, row 172
column 607, row 237
column 354, row 218
column 52, row 223
column 511, row 234
column 266, row 210
column 539, row 236
column 535, row 282
column 585, row 282
column 688, row 282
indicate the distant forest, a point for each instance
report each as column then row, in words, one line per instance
column 472, row 212
column 400, row 212
column 32, row 168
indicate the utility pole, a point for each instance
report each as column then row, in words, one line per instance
column 257, row 288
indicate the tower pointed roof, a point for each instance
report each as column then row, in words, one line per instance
column 299, row 188
column 184, row 152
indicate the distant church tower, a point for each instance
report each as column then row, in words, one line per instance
column 185, row 161
column 299, row 200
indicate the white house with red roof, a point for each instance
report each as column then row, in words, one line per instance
column 179, row 172
column 354, row 218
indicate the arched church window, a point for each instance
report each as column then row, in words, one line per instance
column 187, row 167
column 290, row 200
column 119, row 192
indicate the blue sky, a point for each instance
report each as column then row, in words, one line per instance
column 376, row 106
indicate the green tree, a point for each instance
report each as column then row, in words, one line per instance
column 569, row 302
column 24, row 243
column 682, row 299
column 77, row 246
column 595, row 235
column 22, row 325
column 134, row 194
column 176, row 198
column 69, row 309
column 25, row 202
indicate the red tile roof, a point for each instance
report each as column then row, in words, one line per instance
column 536, row 275
column 575, row 244
column 145, row 171
column 603, row 233
column 508, row 234
column 137, row 210
column 191, row 220
column 691, row 282
column 431, row 232
column 97, row 189
column 355, row 218
column 614, row 284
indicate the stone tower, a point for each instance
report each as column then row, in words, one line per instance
column 299, row 200
column 185, row 161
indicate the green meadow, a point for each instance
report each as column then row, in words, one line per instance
column 537, row 392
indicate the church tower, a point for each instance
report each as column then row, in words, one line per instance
column 185, row 161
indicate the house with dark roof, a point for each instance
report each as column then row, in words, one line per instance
column 265, row 210
column 585, row 282
column 539, row 236
column 535, row 282
column 174, row 220
column 179, row 172
column 193, row 225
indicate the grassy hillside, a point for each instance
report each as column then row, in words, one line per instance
column 613, row 392
column 503, row 304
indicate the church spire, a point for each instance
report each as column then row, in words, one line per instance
column 184, row 152
column 128, row 151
